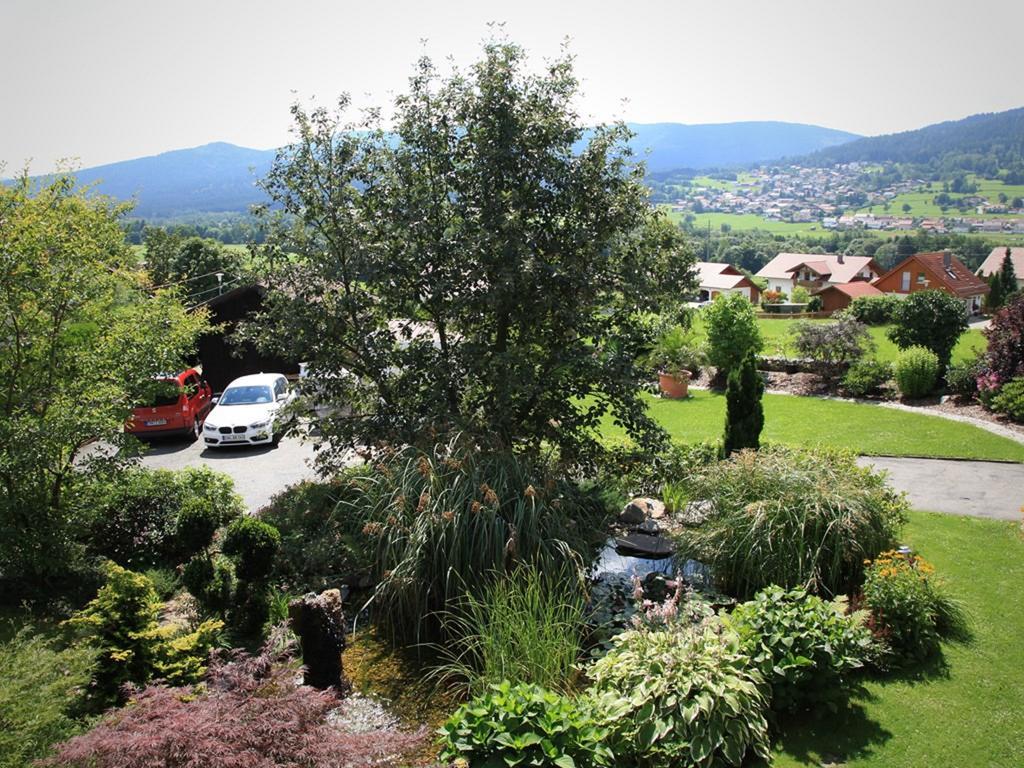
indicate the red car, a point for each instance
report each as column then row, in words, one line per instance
column 178, row 407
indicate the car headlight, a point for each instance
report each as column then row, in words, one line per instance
column 209, row 427
column 259, row 424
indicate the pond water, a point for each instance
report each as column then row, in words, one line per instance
column 611, row 562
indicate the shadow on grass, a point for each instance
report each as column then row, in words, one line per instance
column 831, row 738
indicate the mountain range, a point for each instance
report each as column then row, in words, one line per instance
column 221, row 177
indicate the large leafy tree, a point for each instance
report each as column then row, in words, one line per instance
column 483, row 267
column 81, row 338
column 191, row 264
column 932, row 319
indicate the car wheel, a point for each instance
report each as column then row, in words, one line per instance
column 197, row 429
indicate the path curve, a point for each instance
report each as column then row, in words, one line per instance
column 987, row 489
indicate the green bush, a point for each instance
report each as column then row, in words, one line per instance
column 916, row 372
column 930, row 319
column 910, row 608
column 803, row 646
column 874, row 310
column 165, row 582
column 450, row 522
column 627, row 472
column 321, row 543
column 732, row 331
column 962, row 378
column 867, row 377
column 680, row 698
column 211, row 581
column 526, row 626
column 121, row 622
column 41, row 689
column 522, row 724
column 1010, row 399
column 797, row 518
column 744, row 413
column 252, row 544
column 151, row 518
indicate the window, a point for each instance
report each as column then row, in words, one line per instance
column 921, row 278
column 280, row 388
column 191, row 385
column 905, row 284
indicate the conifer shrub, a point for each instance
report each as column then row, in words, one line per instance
column 744, row 413
column 916, row 372
column 252, row 544
column 1010, row 400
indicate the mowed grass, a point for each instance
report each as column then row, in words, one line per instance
column 747, row 221
column 966, row 710
column 810, row 422
column 778, row 336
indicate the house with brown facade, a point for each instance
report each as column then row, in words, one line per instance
column 815, row 271
column 836, row 297
column 716, row 278
column 935, row 271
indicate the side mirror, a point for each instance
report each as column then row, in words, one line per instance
column 282, row 397
column 215, row 400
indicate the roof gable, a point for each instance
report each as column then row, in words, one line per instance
column 954, row 278
column 841, row 269
column 994, row 261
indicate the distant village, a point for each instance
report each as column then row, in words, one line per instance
column 834, row 198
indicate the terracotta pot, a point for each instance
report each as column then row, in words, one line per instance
column 674, row 386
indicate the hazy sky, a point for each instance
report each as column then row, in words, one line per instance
column 107, row 80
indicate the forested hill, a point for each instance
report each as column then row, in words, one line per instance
column 674, row 146
column 222, row 177
column 984, row 144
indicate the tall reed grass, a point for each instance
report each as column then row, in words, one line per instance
column 526, row 627
column 795, row 518
column 453, row 521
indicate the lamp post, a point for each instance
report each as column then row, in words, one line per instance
column 220, row 283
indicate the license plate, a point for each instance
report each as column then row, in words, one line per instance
column 233, row 438
column 156, row 423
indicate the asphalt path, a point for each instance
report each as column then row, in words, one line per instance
column 986, row 489
column 259, row 472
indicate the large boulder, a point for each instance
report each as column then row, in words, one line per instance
column 640, row 509
column 319, row 622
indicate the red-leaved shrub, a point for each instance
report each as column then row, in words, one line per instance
column 254, row 713
column 1005, row 355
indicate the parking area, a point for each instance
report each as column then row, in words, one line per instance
column 259, row 472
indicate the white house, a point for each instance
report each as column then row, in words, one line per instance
column 815, row 271
column 714, row 279
column 994, row 263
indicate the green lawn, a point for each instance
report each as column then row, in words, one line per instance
column 778, row 333
column 746, row 221
column 968, row 711
column 810, row 421
column 921, row 204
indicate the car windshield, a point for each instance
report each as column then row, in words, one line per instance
column 246, row 395
column 164, row 392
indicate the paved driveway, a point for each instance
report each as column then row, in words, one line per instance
column 258, row 472
column 977, row 488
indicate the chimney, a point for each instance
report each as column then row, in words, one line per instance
column 947, row 259
column 839, row 258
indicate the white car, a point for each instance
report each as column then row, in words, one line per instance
column 248, row 412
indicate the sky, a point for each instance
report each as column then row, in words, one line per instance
column 96, row 81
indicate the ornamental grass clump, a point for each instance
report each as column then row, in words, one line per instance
column 452, row 521
column 911, row 610
column 804, row 647
column 527, row 626
column 795, row 518
column 671, row 698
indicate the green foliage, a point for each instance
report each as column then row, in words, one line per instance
column 1005, row 354
column 962, row 377
column 527, row 626
column 321, row 545
column 211, row 581
column 252, row 545
column 191, row 261
column 874, row 310
column 524, row 725
column 800, row 295
column 676, row 351
column 157, row 517
column 445, row 523
column 867, row 377
column 744, row 413
column 797, row 518
column 519, row 239
column 910, row 608
column 165, row 582
column 916, row 372
column 82, row 342
column 687, row 698
column 931, row 319
column 732, row 331
column 41, row 689
column 803, row 646
column 627, row 472
column 121, row 622
column 833, row 344
column 1010, row 399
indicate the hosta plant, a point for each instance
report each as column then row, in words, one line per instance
column 525, row 725
column 803, row 646
column 680, row 698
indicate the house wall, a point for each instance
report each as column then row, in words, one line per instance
column 894, row 283
column 833, row 301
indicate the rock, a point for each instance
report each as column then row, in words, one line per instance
column 657, row 509
column 644, row 545
column 649, row 527
column 320, row 624
column 641, row 508
column 696, row 512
